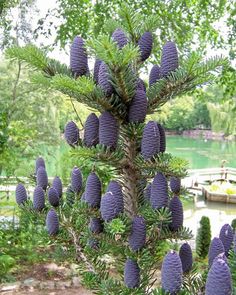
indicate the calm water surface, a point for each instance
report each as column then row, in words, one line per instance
column 201, row 153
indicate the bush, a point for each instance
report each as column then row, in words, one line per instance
column 203, row 238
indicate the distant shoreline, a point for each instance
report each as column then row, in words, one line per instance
column 202, row 134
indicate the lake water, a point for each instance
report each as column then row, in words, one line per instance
column 201, row 153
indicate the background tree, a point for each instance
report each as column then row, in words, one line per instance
column 203, row 238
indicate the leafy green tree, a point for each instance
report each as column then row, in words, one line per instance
column 184, row 113
column 25, row 127
column 181, row 20
column 132, row 229
column 203, row 238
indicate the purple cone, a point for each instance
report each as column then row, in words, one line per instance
column 78, row 57
column 108, row 130
column 171, row 273
column 57, row 184
column 186, row 257
column 141, row 85
column 91, row 130
column 108, row 207
column 216, row 248
column 52, row 222
column 169, row 59
column 71, row 133
column 42, row 178
column 104, row 79
column 39, row 163
column 147, row 192
column 96, row 225
column 150, row 144
column 138, row 107
column 159, row 192
column 53, row 197
column 76, row 180
column 145, row 45
column 137, row 238
column 96, row 70
column 131, row 274
column 155, row 75
column 162, row 138
column 226, row 236
column 38, row 198
column 120, row 38
column 93, row 190
column 221, row 256
column 177, row 215
column 175, row 184
column 219, row 280
column 115, row 188
column 21, row 194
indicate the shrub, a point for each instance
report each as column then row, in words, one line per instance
column 203, row 238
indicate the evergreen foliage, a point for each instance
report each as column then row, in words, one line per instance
column 133, row 229
column 203, row 238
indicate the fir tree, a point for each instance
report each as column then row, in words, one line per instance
column 203, row 239
column 128, row 228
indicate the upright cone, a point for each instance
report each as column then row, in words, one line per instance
column 177, row 215
column 145, row 45
column 21, row 194
column 38, row 198
column 186, row 257
column 52, row 222
column 131, row 274
column 71, row 133
column 159, row 192
column 169, row 59
column 226, row 236
column 93, row 190
column 78, row 57
column 91, row 130
column 104, row 79
column 150, row 145
column 155, row 75
column 108, row 130
column 137, row 236
column 42, row 178
column 120, row 38
column 219, row 280
column 138, row 107
column 216, row 248
column 171, row 273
